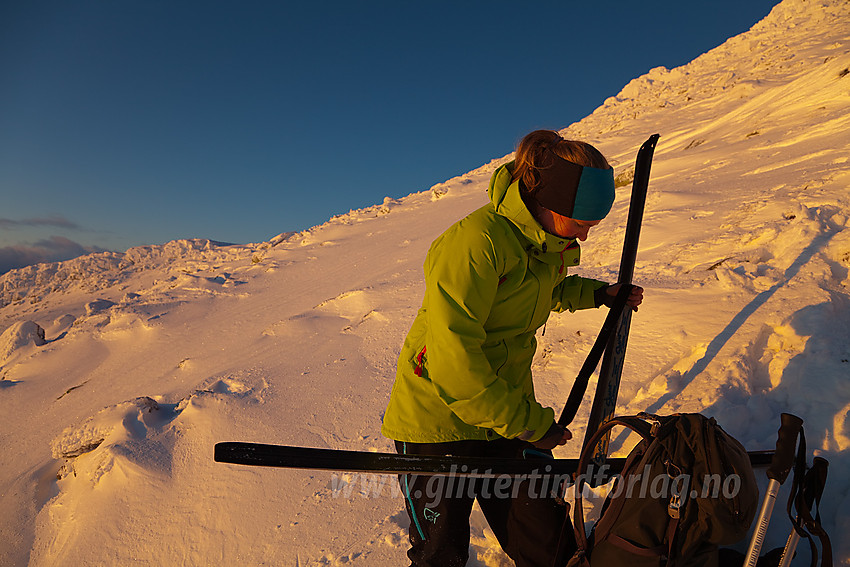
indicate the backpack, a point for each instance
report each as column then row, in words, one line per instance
column 686, row 488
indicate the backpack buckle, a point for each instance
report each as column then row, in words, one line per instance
column 674, row 506
column 675, row 499
column 653, row 420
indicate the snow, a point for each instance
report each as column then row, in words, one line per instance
column 146, row 359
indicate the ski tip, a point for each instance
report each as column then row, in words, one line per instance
column 651, row 141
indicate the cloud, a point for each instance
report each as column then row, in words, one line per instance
column 54, row 221
column 53, row 249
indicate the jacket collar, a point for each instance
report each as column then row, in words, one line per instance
column 549, row 248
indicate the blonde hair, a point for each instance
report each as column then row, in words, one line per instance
column 530, row 156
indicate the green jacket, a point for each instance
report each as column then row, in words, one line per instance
column 491, row 281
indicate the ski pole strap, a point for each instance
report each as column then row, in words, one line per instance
column 806, row 492
column 815, row 481
column 580, row 385
column 796, row 492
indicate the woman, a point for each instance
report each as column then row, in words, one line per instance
column 464, row 384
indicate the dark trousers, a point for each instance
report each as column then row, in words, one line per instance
column 522, row 511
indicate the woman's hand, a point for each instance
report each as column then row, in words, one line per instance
column 635, row 297
column 556, row 435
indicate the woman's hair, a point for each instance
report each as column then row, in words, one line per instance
column 530, row 155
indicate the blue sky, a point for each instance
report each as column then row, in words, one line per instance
column 127, row 122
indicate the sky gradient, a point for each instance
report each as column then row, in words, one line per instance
column 125, row 123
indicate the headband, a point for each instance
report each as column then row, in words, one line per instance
column 574, row 191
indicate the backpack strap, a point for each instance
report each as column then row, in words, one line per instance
column 637, row 424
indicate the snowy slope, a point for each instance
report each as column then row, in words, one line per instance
column 150, row 357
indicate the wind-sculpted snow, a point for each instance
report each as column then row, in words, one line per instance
column 138, row 455
column 145, row 359
column 19, row 336
column 102, row 270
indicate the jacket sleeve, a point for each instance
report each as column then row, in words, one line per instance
column 575, row 293
column 462, row 275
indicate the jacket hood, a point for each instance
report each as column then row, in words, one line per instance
column 506, row 199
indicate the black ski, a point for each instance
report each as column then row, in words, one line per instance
column 608, row 386
column 282, row 456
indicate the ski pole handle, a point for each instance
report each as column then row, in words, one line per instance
column 786, row 445
column 780, row 466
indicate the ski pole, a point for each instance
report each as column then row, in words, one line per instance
column 780, row 466
column 790, row 548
